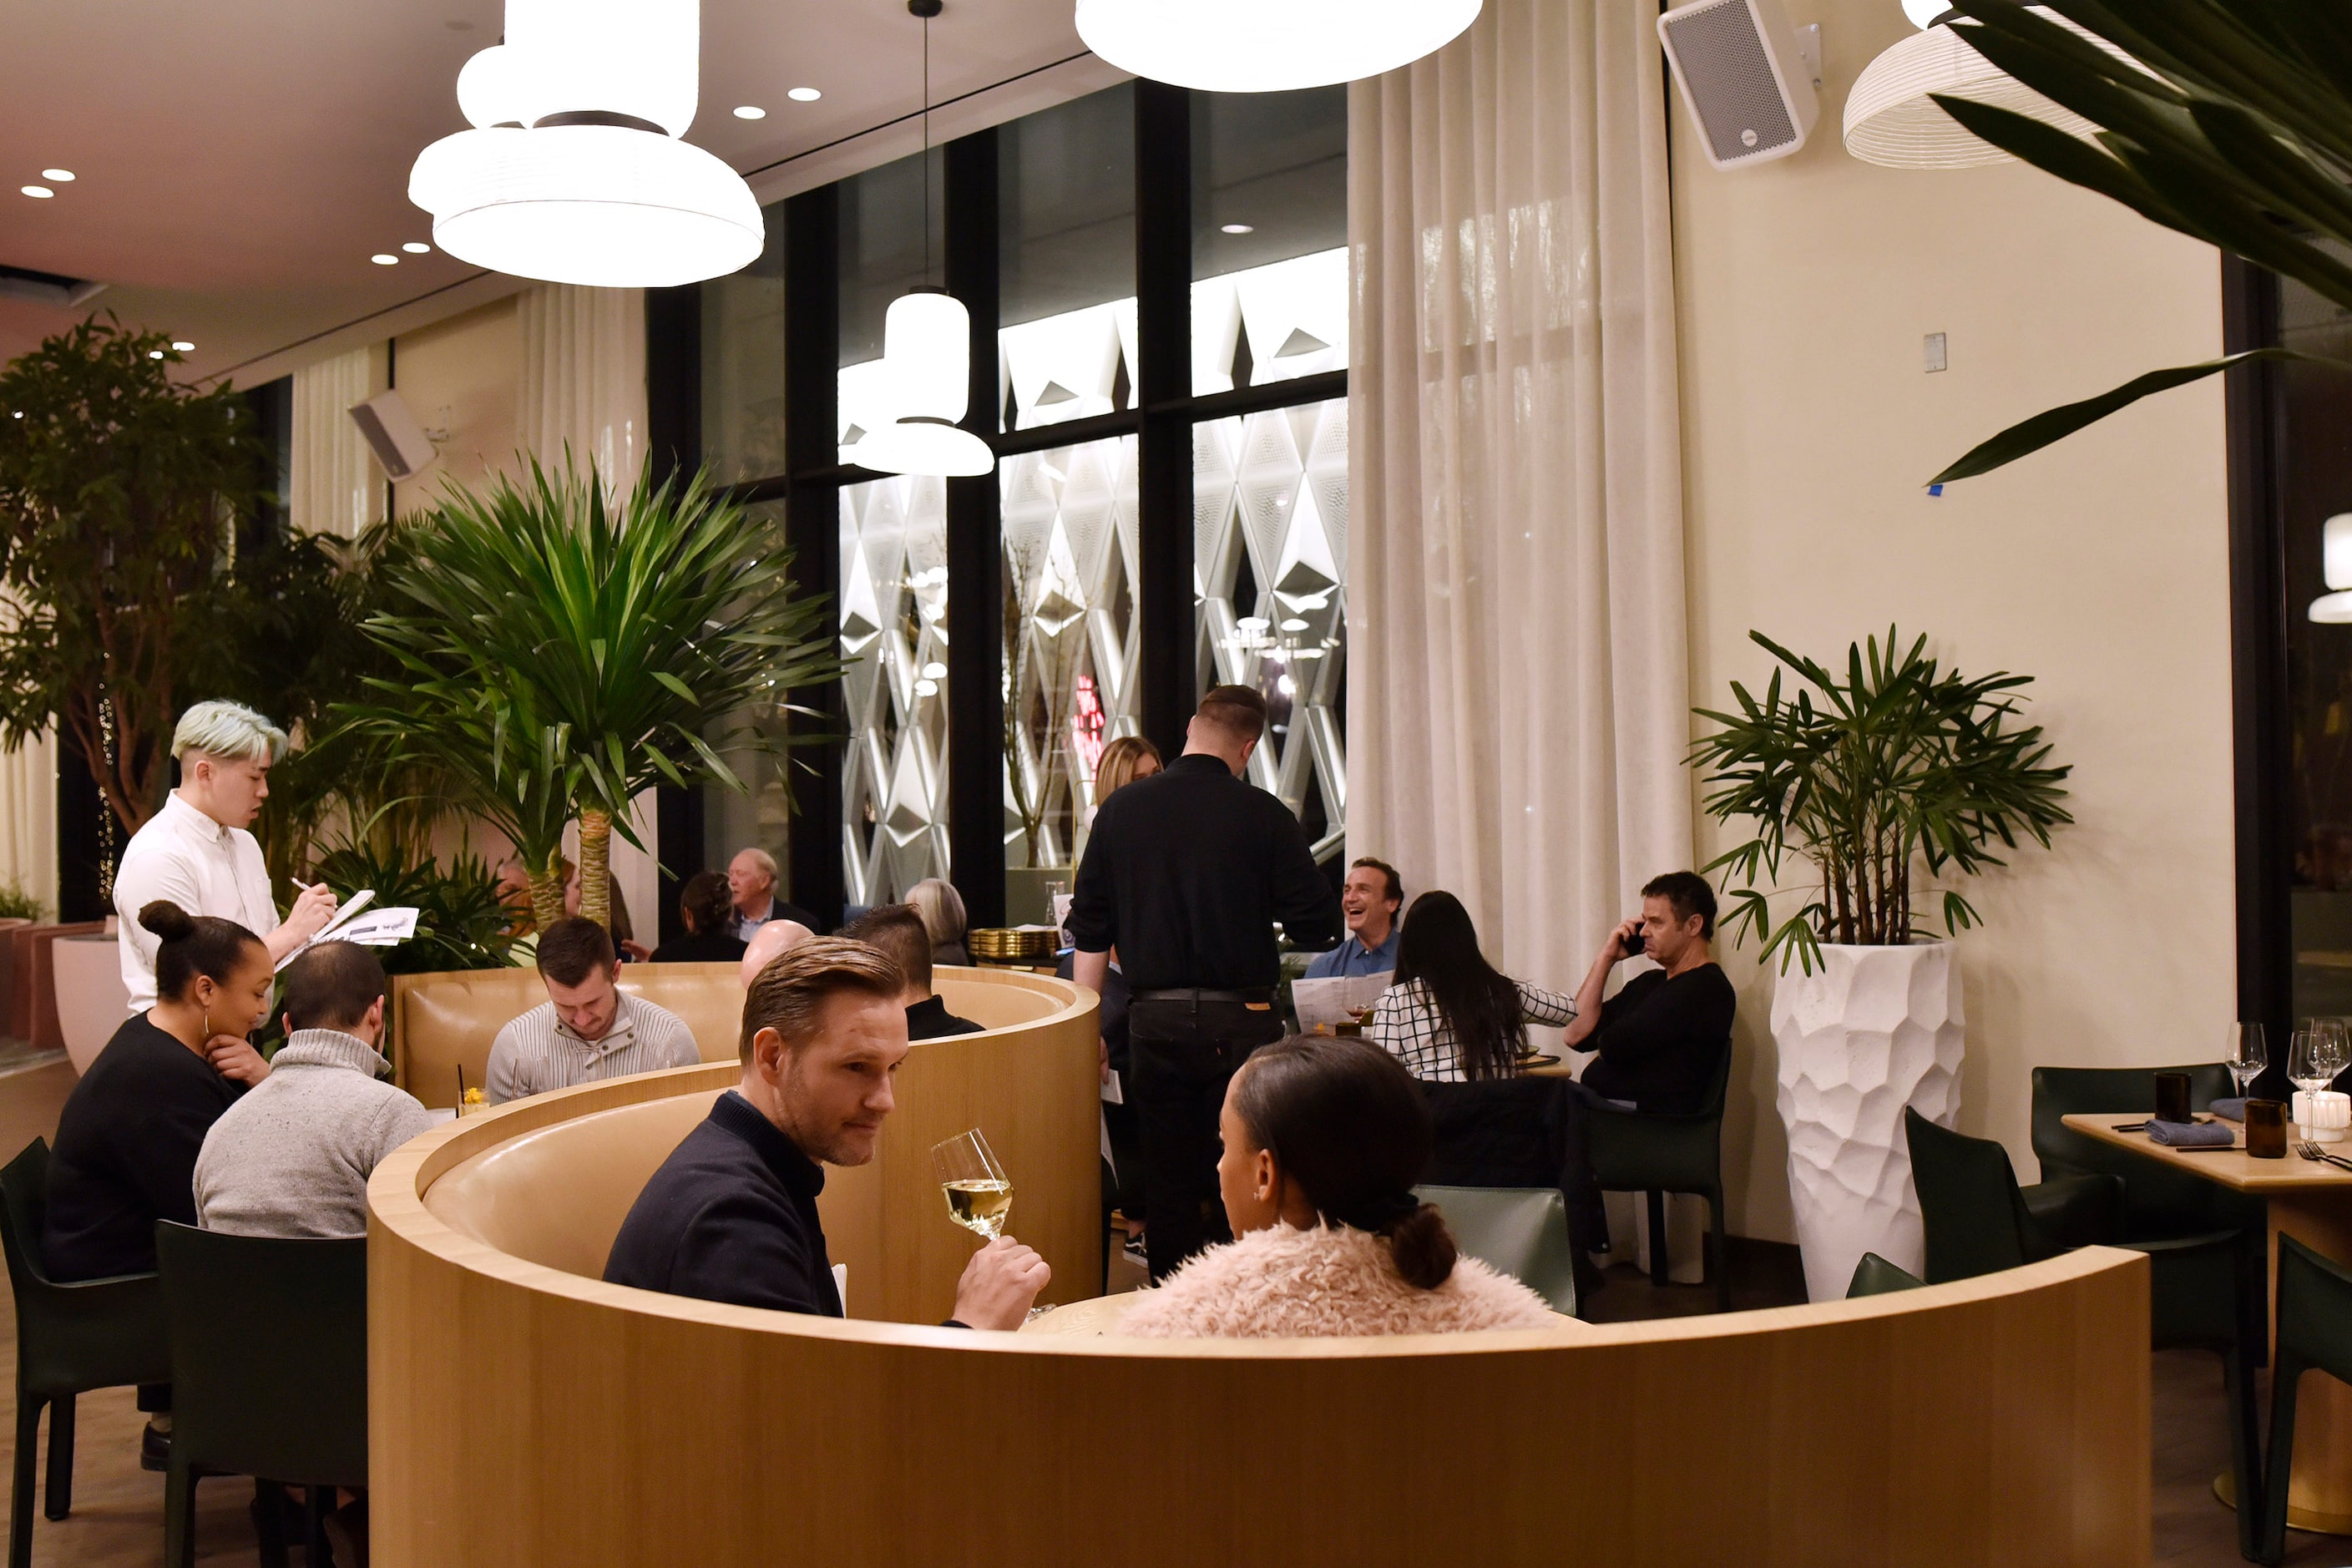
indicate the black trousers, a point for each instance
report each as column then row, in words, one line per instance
column 1182, row 1054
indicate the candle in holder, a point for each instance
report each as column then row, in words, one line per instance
column 2323, row 1114
column 2172, row 1097
column 2266, row 1129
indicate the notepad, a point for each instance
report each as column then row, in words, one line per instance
column 351, row 908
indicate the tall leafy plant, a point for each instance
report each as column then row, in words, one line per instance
column 2232, row 122
column 1896, row 765
column 559, row 653
column 120, row 490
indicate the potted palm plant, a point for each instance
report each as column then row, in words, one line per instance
column 559, row 653
column 1878, row 778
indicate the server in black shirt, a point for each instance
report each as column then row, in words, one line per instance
column 1185, row 875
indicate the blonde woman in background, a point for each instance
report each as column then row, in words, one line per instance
column 942, row 908
column 1124, row 761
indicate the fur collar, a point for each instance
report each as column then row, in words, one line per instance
column 1283, row 1283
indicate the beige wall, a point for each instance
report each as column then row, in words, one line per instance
column 464, row 375
column 2099, row 568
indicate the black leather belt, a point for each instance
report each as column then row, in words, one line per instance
column 1195, row 994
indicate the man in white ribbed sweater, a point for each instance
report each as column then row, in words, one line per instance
column 292, row 1157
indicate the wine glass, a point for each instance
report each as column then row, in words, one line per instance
column 979, row 1196
column 2246, row 1054
column 2318, row 1055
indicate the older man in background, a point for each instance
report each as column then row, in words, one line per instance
column 197, row 851
column 751, row 880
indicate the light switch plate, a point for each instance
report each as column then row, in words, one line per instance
column 1935, row 352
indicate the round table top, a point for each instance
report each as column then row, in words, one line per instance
column 1100, row 1316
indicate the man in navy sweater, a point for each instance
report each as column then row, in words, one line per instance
column 731, row 1215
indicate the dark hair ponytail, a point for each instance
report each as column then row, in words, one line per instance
column 193, row 945
column 1345, row 1120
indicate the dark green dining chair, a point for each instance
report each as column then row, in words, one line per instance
column 1874, row 1276
column 1519, row 1231
column 268, row 1369
column 1657, row 1154
column 2314, row 1334
column 1980, row 1221
column 71, row 1339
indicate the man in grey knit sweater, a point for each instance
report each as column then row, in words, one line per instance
column 293, row 1156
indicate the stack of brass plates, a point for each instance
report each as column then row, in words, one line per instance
column 1022, row 949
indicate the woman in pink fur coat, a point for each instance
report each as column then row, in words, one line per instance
column 1325, row 1138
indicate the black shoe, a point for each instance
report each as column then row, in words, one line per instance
column 154, row 1450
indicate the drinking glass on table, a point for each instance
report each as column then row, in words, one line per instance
column 979, row 1196
column 2320, row 1048
column 2246, row 1054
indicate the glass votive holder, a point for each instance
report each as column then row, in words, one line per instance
column 2266, row 1129
column 2323, row 1116
column 2172, row 1097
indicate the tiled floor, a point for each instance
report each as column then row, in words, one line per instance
column 116, row 1521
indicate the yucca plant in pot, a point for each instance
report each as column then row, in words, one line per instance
column 1878, row 778
column 561, row 652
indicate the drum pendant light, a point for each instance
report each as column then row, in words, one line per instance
column 926, row 355
column 1268, row 46
column 574, row 172
column 1891, row 120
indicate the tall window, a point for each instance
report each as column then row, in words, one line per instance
column 1160, row 280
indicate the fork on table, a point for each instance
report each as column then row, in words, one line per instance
column 2311, row 1151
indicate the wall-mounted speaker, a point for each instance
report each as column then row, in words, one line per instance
column 399, row 442
column 1743, row 74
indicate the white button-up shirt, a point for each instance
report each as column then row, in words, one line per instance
column 205, row 868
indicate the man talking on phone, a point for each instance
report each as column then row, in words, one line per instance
column 1662, row 1035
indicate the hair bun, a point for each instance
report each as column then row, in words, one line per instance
column 1423, row 1247
column 168, row 921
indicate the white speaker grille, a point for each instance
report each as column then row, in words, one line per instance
column 1729, row 80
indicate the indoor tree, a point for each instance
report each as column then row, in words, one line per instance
column 119, row 494
column 559, row 653
column 2232, row 122
column 1899, row 763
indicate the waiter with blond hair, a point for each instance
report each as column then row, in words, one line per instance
column 197, row 851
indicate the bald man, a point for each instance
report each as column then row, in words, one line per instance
column 769, row 943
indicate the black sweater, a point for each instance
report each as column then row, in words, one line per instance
column 1660, row 1040
column 126, row 1154
column 730, row 1217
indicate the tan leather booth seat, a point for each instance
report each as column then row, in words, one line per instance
column 521, row 1411
column 557, row 1194
column 442, row 1022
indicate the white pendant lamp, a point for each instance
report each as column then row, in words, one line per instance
column 1268, row 46
column 926, row 355
column 2335, row 609
column 574, row 172
column 1891, row 120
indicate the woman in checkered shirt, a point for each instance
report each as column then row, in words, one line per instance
column 1451, row 1017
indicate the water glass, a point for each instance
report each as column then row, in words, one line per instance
column 2266, row 1130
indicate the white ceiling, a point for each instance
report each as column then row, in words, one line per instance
column 239, row 161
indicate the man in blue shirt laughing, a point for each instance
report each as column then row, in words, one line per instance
column 1370, row 898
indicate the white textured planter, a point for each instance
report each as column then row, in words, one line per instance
column 1870, row 1031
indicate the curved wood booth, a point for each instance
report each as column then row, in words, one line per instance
column 523, row 1411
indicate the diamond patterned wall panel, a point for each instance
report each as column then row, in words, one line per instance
column 894, row 599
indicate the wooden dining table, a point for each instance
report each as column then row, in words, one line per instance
column 2312, row 1202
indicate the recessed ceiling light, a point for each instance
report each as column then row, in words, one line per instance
column 18, row 414
column 38, row 192
column 749, row 111
column 62, row 176
column 154, row 353
column 384, row 258
column 416, row 247
column 1241, row 228
column 803, row 95
column 184, row 345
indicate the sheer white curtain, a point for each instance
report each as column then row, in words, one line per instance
column 583, row 387
column 1517, row 701
column 338, row 488
column 28, row 818
column 583, row 378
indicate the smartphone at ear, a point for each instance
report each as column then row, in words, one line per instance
column 1635, row 945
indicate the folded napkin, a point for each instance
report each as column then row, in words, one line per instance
column 2229, row 1109
column 2189, row 1135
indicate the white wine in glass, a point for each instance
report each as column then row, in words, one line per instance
column 979, row 1196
